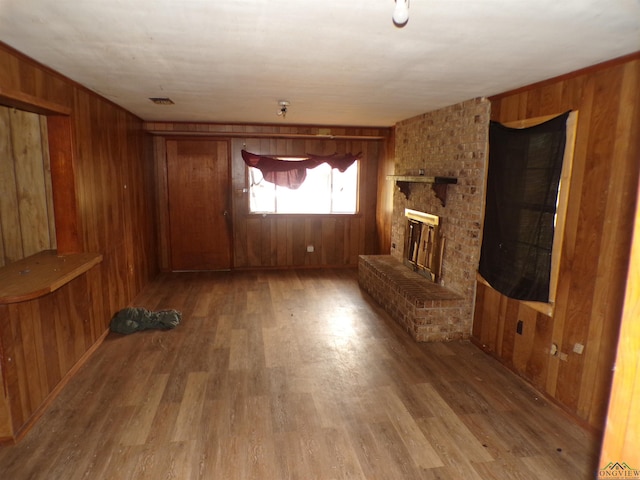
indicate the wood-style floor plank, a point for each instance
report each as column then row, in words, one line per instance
column 293, row 375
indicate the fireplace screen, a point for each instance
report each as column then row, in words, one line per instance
column 423, row 244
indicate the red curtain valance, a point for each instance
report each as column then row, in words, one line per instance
column 291, row 173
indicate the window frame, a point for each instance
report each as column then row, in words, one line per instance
column 339, row 214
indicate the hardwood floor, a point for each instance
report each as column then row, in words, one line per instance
column 293, row 375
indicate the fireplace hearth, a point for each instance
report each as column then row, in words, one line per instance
column 426, row 310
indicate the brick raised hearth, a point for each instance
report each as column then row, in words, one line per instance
column 428, row 311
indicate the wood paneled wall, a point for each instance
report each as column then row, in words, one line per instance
column 595, row 254
column 280, row 241
column 114, row 197
column 27, row 223
column 622, row 433
column 384, row 206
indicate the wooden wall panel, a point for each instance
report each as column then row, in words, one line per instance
column 6, row 423
column 622, row 433
column 384, row 206
column 21, row 74
column 9, row 219
column 608, row 297
column 117, row 194
column 162, row 202
column 108, row 157
column 537, row 366
column 48, row 184
column 298, row 242
column 30, row 175
column 27, row 224
column 595, row 253
column 63, row 180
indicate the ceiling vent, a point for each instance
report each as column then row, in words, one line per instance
column 161, row 100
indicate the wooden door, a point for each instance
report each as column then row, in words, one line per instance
column 199, row 219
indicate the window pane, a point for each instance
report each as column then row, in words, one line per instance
column 262, row 194
column 325, row 190
column 313, row 196
column 345, row 190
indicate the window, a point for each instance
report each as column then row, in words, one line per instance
column 527, row 192
column 325, row 190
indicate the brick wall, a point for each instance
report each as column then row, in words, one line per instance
column 448, row 142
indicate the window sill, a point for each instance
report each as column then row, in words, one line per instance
column 544, row 308
column 300, row 215
column 41, row 274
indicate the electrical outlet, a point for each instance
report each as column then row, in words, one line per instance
column 578, row 348
column 310, row 249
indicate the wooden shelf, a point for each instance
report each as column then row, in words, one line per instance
column 438, row 184
column 42, row 273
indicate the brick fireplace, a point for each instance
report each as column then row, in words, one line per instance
column 452, row 143
column 409, row 290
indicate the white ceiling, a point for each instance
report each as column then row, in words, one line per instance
column 339, row 62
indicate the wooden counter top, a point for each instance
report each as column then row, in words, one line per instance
column 42, row 273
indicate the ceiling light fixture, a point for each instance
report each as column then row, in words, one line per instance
column 283, row 108
column 401, row 13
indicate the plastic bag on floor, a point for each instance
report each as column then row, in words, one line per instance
column 135, row 319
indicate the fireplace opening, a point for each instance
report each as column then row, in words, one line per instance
column 423, row 246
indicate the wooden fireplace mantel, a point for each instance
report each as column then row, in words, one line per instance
column 438, row 184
